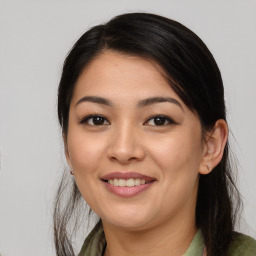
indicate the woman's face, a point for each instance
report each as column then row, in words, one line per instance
column 127, row 127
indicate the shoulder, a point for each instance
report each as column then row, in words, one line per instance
column 242, row 245
column 95, row 243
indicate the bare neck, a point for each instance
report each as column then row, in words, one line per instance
column 169, row 238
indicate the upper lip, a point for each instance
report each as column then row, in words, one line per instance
column 126, row 175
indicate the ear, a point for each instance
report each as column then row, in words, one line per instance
column 214, row 147
column 64, row 136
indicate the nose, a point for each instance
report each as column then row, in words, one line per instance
column 126, row 145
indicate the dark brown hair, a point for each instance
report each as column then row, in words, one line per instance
column 195, row 77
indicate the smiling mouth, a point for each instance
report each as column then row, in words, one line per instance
column 127, row 179
column 127, row 182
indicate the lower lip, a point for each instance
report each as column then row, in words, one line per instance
column 127, row 191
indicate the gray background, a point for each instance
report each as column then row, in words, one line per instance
column 35, row 36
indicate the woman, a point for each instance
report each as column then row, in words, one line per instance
column 141, row 106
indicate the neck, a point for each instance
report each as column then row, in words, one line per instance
column 165, row 239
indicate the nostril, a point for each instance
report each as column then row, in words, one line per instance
column 125, row 150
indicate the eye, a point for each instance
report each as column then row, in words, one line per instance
column 159, row 120
column 95, row 120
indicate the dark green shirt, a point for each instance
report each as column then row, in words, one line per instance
column 243, row 245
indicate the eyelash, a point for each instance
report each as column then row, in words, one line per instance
column 85, row 119
column 166, row 118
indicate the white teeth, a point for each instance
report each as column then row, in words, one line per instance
column 126, row 183
column 130, row 183
column 121, row 183
column 137, row 182
column 115, row 182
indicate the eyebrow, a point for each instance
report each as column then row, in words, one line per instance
column 142, row 103
column 95, row 99
column 153, row 100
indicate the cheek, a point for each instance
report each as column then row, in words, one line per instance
column 178, row 158
column 85, row 152
column 177, row 154
column 85, row 156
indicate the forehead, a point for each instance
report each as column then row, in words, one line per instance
column 120, row 76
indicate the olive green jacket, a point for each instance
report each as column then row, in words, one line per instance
column 243, row 245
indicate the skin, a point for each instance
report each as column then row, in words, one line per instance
column 129, row 140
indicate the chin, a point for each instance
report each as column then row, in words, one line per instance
column 129, row 220
column 130, row 225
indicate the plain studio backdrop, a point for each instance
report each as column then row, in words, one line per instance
column 35, row 37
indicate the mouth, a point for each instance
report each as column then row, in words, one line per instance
column 127, row 179
column 127, row 184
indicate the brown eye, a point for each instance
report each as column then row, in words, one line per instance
column 95, row 120
column 160, row 120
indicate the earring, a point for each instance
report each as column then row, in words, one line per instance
column 71, row 172
column 208, row 168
